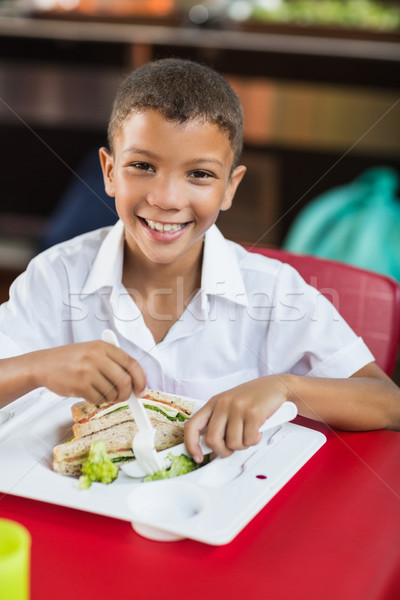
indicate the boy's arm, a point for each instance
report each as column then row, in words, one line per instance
column 367, row 400
column 95, row 371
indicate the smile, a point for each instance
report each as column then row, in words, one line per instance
column 164, row 227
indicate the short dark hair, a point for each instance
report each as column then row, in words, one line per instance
column 181, row 90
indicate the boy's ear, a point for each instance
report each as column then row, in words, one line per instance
column 107, row 166
column 234, row 180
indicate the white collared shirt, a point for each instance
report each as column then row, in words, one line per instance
column 253, row 316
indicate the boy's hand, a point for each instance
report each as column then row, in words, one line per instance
column 231, row 420
column 95, row 371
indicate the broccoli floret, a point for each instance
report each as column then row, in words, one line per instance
column 97, row 466
column 180, row 465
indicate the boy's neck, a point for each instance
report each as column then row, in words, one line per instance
column 162, row 291
column 145, row 275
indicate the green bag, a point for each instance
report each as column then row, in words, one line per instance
column 357, row 223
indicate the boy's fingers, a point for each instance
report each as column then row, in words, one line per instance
column 96, row 393
column 193, row 429
column 215, row 439
column 130, row 366
column 138, row 377
column 116, row 384
column 251, row 434
column 215, row 429
column 234, row 435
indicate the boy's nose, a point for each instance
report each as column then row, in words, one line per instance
column 167, row 195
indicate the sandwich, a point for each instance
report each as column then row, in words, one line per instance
column 114, row 424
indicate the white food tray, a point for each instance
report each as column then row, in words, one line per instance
column 211, row 505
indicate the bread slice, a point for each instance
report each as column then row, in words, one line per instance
column 83, row 410
column 87, row 421
column 93, row 425
column 68, row 457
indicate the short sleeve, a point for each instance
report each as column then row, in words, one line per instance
column 307, row 335
column 32, row 318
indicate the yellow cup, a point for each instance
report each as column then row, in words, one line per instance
column 15, row 552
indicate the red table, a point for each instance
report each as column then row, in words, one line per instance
column 332, row 533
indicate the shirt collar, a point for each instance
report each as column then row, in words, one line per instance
column 107, row 266
column 221, row 275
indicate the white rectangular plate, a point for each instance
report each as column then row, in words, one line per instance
column 230, row 491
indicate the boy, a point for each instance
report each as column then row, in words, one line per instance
column 195, row 314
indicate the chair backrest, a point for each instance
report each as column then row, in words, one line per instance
column 368, row 301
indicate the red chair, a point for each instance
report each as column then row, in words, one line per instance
column 368, row 301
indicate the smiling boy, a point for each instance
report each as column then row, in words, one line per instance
column 170, row 181
column 195, row 315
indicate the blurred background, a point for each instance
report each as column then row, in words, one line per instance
column 319, row 83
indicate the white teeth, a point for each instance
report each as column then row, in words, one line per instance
column 164, row 227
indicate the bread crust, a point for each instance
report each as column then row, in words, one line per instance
column 69, row 469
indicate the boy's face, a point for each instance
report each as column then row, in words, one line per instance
column 169, row 181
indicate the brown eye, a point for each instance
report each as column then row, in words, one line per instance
column 200, row 174
column 143, row 166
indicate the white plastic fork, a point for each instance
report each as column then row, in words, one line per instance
column 143, row 441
